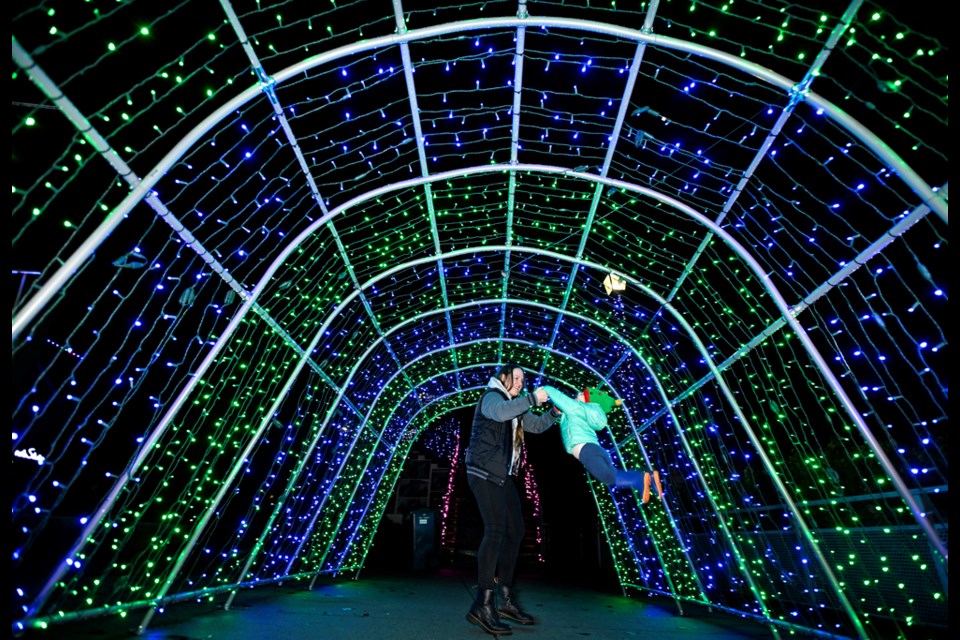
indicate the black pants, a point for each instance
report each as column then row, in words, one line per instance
column 502, row 530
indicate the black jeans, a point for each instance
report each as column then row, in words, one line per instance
column 502, row 530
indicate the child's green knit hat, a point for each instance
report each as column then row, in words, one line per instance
column 602, row 398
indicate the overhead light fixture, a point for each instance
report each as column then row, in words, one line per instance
column 613, row 282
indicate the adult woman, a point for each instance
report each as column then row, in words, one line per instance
column 492, row 459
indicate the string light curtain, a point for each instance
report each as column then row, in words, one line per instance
column 258, row 248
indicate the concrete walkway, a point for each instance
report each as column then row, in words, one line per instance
column 426, row 606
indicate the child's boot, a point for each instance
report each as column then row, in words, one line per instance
column 656, row 481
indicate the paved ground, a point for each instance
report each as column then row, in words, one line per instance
column 426, row 606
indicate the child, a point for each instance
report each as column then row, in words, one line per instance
column 580, row 419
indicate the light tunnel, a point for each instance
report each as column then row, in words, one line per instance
column 259, row 249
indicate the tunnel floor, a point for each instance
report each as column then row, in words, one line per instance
column 425, row 605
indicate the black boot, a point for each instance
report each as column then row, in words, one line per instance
column 483, row 614
column 508, row 608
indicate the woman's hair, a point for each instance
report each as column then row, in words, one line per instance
column 507, row 370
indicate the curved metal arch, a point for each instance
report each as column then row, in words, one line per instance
column 942, row 210
column 744, row 421
column 389, row 417
column 745, row 255
column 787, row 313
column 319, row 333
column 630, row 422
column 933, row 200
column 214, row 504
column 34, row 305
column 458, row 392
column 668, row 408
column 723, row 525
column 683, row 548
column 929, row 197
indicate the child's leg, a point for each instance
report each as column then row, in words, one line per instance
column 629, row 478
column 597, row 462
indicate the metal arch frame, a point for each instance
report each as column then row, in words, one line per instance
column 728, row 394
column 413, row 361
column 459, row 392
column 786, row 312
column 934, row 200
column 410, row 321
column 704, row 352
column 929, row 197
column 208, row 360
column 475, row 365
column 94, row 521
